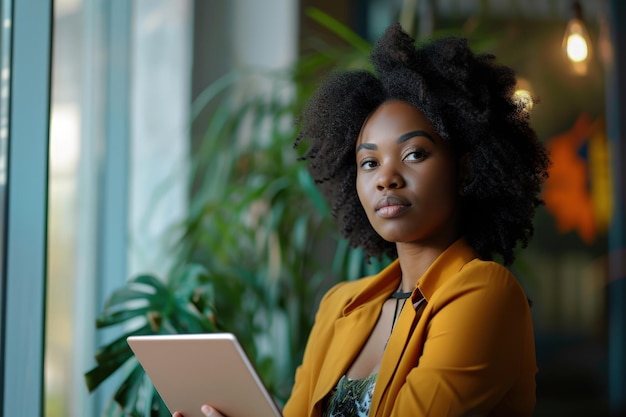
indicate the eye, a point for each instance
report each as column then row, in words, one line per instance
column 368, row 164
column 416, row 155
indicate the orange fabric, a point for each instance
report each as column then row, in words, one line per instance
column 471, row 352
column 566, row 193
column 578, row 189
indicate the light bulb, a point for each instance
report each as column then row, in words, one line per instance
column 524, row 99
column 576, row 42
column 523, row 95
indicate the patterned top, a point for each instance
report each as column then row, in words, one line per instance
column 350, row 398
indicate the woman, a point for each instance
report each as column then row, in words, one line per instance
column 430, row 161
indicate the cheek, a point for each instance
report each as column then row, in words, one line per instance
column 365, row 198
column 441, row 185
column 359, row 190
column 448, row 189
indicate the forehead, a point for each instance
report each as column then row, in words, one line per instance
column 394, row 118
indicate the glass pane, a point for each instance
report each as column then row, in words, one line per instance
column 105, row 172
column 67, row 336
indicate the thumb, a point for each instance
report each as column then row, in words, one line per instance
column 210, row 411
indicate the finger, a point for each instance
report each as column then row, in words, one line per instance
column 209, row 411
column 177, row 414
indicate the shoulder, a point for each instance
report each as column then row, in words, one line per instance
column 486, row 281
column 488, row 273
column 345, row 297
column 343, row 293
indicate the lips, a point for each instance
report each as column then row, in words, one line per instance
column 391, row 206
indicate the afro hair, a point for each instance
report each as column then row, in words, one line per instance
column 469, row 100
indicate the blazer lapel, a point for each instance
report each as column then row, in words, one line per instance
column 350, row 335
column 393, row 354
column 353, row 328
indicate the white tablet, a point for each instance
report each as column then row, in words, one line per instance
column 195, row 369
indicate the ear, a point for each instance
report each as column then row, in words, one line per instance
column 464, row 176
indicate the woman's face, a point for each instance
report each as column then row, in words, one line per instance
column 407, row 177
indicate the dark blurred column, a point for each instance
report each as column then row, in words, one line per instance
column 616, row 127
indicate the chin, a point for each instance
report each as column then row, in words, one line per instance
column 395, row 236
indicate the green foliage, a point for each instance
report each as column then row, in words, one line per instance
column 146, row 305
column 258, row 248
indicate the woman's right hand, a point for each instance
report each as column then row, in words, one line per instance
column 207, row 410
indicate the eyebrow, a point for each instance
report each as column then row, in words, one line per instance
column 409, row 135
column 402, row 138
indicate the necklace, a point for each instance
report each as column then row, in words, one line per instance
column 398, row 295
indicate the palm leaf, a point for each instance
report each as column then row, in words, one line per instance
column 340, row 30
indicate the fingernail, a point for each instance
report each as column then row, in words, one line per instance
column 206, row 410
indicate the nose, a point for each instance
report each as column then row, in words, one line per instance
column 389, row 178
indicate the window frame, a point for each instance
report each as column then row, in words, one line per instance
column 24, row 274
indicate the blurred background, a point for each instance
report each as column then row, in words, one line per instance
column 169, row 156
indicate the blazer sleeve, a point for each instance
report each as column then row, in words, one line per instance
column 478, row 344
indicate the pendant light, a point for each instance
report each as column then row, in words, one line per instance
column 576, row 41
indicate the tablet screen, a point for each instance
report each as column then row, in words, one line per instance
column 195, row 369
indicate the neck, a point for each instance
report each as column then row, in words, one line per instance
column 415, row 260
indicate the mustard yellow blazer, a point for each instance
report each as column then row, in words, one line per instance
column 470, row 353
